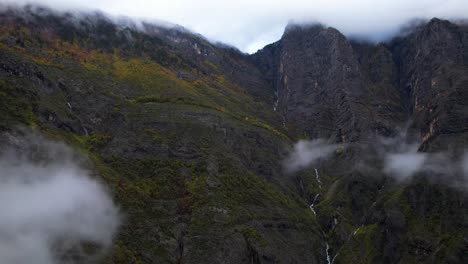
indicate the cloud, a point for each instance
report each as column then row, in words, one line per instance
column 398, row 157
column 305, row 153
column 53, row 210
column 440, row 166
column 402, row 160
column 251, row 24
column 404, row 165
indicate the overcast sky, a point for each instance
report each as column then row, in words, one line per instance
column 251, row 24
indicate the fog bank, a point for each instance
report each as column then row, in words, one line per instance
column 53, row 210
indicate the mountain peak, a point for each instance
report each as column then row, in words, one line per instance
column 436, row 21
column 192, row 138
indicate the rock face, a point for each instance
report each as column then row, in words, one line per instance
column 317, row 81
column 433, row 74
column 190, row 137
column 328, row 86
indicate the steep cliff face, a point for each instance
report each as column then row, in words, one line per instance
column 328, row 86
column 349, row 91
column 433, row 72
column 325, row 87
column 181, row 140
column 190, row 137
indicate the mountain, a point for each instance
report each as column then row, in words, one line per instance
column 191, row 137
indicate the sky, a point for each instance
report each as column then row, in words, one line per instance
column 251, row 24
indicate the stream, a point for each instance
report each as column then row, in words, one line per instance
column 312, row 208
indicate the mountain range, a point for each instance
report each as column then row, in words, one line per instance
column 191, row 137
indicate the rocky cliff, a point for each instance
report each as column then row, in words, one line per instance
column 191, row 137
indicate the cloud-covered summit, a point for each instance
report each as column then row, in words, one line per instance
column 250, row 25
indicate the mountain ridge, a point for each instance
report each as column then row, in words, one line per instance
column 191, row 138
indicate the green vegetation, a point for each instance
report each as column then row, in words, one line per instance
column 193, row 157
column 16, row 105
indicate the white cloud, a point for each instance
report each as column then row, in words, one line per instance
column 52, row 209
column 306, row 153
column 251, row 24
column 404, row 165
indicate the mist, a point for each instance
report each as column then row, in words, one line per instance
column 404, row 165
column 398, row 157
column 403, row 160
column 53, row 209
column 306, row 153
column 250, row 25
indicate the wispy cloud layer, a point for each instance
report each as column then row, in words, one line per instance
column 251, row 24
column 306, row 153
column 53, row 210
column 398, row 157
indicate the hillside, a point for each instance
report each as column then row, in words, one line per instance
column 191, row 137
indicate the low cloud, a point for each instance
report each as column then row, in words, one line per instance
column 306, row 153
column 398, row 157
column 250, row 25
column 53, row 210
column 401, row 159
column 404, row 165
